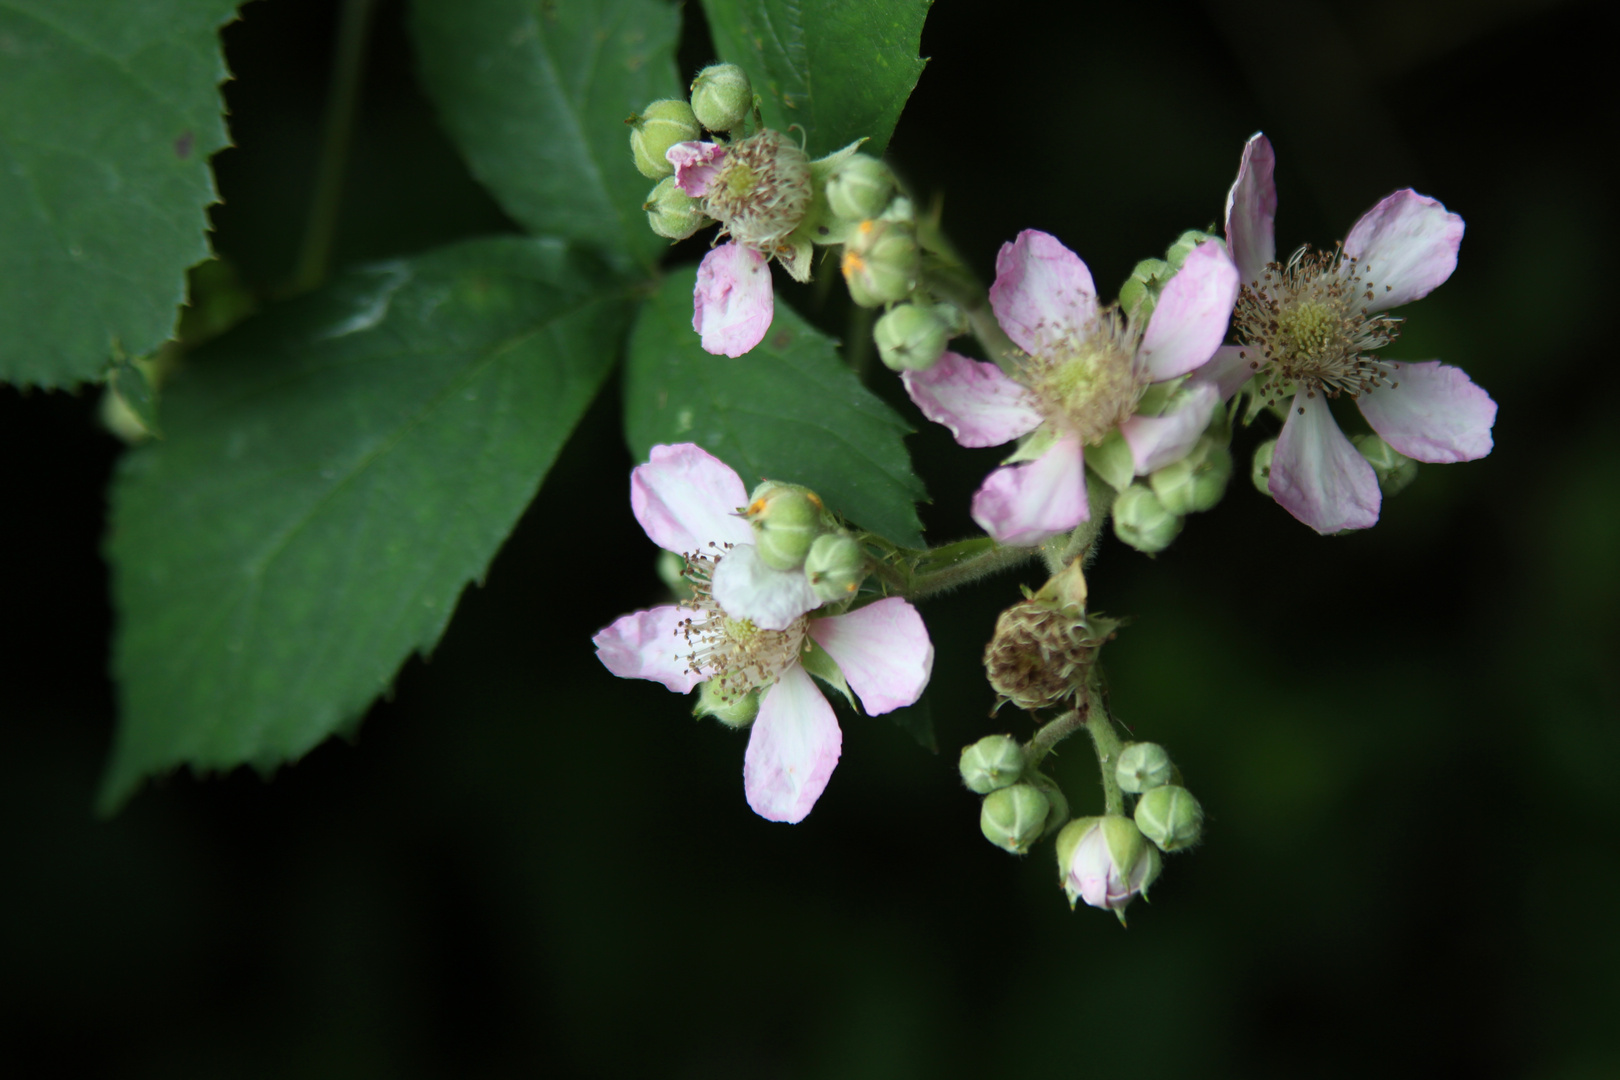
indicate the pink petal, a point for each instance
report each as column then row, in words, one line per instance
column 695, row 165
column 1434, row 413
column 1043, row 295
column 1404, row 247
column 1024, row 504
column 1190, row 318
column 649, row 645
column 733, row 303
column 1317, row 475
column 883, row 651
column 792, row 749
column 748, row 589
column 980, row 404
column 1251, row 210
column 1156, row 441
column 686, row 498
column 1092, row 870
column 1229, row 369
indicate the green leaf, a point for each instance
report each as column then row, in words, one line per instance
column 333, row 473
column 536, row 95
column 841, row 69
column 918, row 722
column 110, row 113
column 788, row 410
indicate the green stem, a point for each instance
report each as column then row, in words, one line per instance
column 1100, row 726
column 1052, row 733
column 957, row 564
column 858, row 347
column 348, row 63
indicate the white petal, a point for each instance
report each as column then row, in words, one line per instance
column 733, row 301
column 1156, row 441
column 1229, row 369
column 1251, row 210
column 978, row 403
column 1433, row 413
column 1043, row 296
column 1024, row 504
column 1404, row 247
column 1318, row 475
column 1190, row 318
column 649, row 645
column 792, row 749
column 685, row 498
column 883, row 651
column 748, row 589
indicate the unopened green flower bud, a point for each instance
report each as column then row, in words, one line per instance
column 1106, row 861
column 1395, row 470
column 733, row 708
column 1170, row 817
column 1057, row 813
column 860, row 188
column 1260, row 469
column 786, row 520
column 1140, row 292
column 1184, row 245
column 1196, row 482
column 835, row 566
column 881, row 262
column 1143, row 766
column 1142, row 521
column 1012, row 817
column 722, row 96
column 660, row 126
column 992, row 763
column 910, row 337
column 673, row 213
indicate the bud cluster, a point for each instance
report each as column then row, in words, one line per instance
column 794, row 531
column 1020, row 804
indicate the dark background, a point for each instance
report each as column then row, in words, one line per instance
column 1405, row 739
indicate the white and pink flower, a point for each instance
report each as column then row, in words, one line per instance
column 1309, row 328
column 749, row 627
column 1082, row 377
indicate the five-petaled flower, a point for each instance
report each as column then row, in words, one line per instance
column 750, row 627
column 1308, row 328
column 1083, row 375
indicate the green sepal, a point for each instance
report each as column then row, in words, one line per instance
column 132, row 393
column 818, row 662
column 1112, row 462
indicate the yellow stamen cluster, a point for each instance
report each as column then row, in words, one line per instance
column 734, row 654
column 1086, row 385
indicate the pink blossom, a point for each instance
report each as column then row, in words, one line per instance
column 1045, row 300
column 733, row 302
column 750, row 629
column 1106, row 861
column 1309, row 329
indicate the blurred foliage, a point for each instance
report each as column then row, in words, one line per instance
column 1404, row 739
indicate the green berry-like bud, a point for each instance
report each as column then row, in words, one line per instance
column 722, row 96
column 911, row 337
column 1260, row 469
column 732, row 708
column 1143, row 766
column 1184, row 245
column 1395, row 470
column 1196, row 482
column 1142, row 521
column 660, row 126
column 1140, row 292
column 673, row 213
column 859, row 188
column 881, row 262
column 1057, row 812
column 1170, row 817
column 1012, row 817
column 786, row 520
column 835, row 566
column 992, row 763
column 1106, row 861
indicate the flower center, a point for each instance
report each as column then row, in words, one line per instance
column 734, row 653
column 1310, row 319
column 762, row 189
column 1086, row 384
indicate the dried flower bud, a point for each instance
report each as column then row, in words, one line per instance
column 660, row 126
column 761, row 190
column 992, row 763
column 1040, row 653
column 722, row 96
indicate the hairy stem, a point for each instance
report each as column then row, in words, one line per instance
column 348, row 62
column 1100, row 726
column 959, row 563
